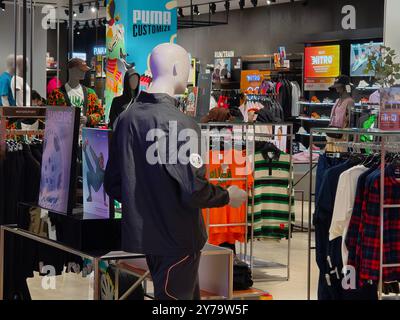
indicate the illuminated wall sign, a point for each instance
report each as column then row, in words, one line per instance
column 99, row 51
column 322, row 62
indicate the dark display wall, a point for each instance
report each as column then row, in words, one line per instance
column 263, row 29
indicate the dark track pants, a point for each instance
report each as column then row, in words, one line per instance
column 175, row 278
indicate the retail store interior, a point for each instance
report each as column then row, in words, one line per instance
column 297, row 104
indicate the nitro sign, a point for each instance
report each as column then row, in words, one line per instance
column 322, row 62
column 147, row 22
column 318, row 60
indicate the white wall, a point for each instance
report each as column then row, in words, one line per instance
column 392, row 24
column 38, row 62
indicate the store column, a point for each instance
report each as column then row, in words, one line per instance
column 392, row 25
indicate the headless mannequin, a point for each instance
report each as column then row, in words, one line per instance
column 10, row 65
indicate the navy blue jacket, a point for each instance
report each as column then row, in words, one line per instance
column 160, row 202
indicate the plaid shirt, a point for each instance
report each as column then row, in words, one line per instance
column 367, row 246
column 354, row 232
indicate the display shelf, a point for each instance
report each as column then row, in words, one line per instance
column 320, row 104
column 313, row 119
column 315, row 135
column 357, row 131
column 368, row 88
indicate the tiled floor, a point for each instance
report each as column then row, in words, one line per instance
column 72, row 286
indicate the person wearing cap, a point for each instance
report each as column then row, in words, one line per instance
column 340, row 115
column 74, row 94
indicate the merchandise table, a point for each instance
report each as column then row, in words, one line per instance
column 95, row 257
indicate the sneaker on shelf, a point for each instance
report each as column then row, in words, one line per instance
column 302, row 131
column 315, row 115
column 363, row 84
column 314, row 99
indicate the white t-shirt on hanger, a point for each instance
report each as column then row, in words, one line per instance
column 343, row 208
column 19, row 95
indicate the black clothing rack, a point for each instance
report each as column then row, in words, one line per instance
column 7, row 113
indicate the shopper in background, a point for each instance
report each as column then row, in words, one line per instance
column 340, row 116
column 37, row 100
column 131, row 91
column 218, row 115
column 6, row 96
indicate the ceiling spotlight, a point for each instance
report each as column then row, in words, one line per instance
column 213, row 8
column 92, row 7
column 196, row 10
column 254, row 3
column 78, row 32
column 2, row 5
column 227, row 5
column 74, row 14
column 180, row 12
column 242, row 4
column 81, row 8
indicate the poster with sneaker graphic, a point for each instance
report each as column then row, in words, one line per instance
column 95, row 151
column 58, row 170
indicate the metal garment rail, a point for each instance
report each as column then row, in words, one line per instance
column 250, row 135
column 7, row 113
column 383, row 146
column 96, row 259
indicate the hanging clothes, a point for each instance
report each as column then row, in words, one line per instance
column 285, row 98
column 362, row 239
column 228, row 164
column 272, row 202
column 296, row 94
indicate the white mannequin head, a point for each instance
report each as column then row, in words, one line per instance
column 10, row 64
column 20, row 65
column 170, row 67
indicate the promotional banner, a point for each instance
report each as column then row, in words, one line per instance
column 359, row 54
column 390, row 109
column 134, row 28
column 252, row 80
column 95, row 152
column 59, row 159
column 322, row 62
